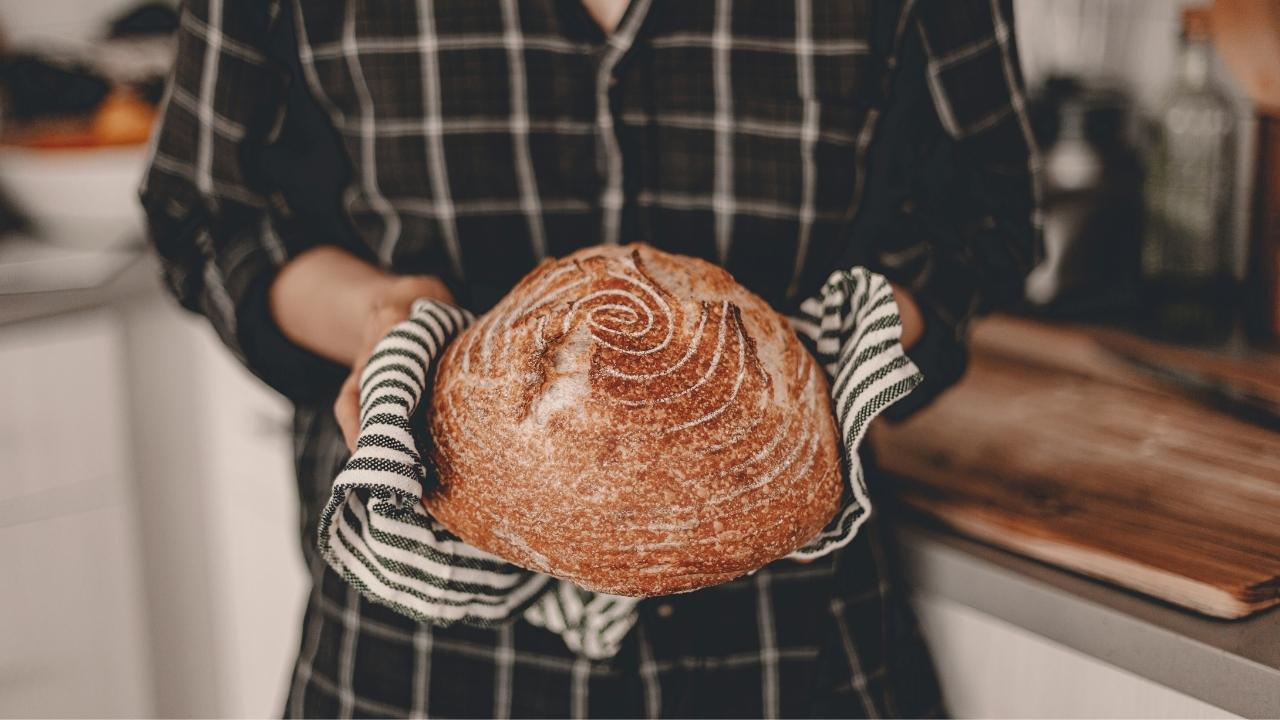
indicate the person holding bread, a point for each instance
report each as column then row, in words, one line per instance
column 322, row 170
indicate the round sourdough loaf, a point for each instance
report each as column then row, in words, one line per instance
column 636, row 422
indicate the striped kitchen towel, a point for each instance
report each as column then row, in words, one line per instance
column 375, row 532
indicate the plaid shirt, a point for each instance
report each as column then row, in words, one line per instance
column 470, row 138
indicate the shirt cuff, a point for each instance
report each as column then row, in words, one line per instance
column 297, row 373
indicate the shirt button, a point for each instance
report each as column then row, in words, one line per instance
column 665, row 610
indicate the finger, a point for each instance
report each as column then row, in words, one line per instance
column 384, row 320
column 439, row 291
column 400, row 297
column 427, row 286
column 347, row 410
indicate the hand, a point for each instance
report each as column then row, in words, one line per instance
column 389, row 308
column 339, row 306
column 912, row 319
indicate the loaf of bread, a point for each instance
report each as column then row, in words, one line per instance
column 636, row 422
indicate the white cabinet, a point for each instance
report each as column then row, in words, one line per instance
column 260, row 581
column 149, row 519
column 62, row 430
column 73, row 631
column 214, row 441
column 73, row 637
column 990, row 668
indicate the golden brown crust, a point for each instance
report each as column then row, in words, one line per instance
column 636, row 422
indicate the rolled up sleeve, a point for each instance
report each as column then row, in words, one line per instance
column 212, row 215
column 953, row 183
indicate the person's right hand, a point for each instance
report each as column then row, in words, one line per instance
column 389, row 309
column 339, row 306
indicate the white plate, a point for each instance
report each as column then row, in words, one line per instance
column 81, row 198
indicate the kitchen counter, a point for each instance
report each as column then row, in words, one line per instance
column 1068, row 488
column 1234, row 665
column 138, row 276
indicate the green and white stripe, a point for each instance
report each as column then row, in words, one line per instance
column 853, row 328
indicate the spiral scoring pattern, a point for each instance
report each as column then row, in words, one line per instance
column 636, row 422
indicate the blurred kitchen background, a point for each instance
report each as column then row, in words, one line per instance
column 146, row 498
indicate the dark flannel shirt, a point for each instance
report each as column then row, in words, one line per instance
column 471, row 138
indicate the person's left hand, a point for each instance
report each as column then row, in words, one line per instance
column 912, row 318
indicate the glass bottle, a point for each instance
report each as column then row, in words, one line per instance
column 1188, row 240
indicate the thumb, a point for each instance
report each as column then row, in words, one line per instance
column 347, row 410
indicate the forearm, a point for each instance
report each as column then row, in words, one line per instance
column 324, row 298
column 321, row 299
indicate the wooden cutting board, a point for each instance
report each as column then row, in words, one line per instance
column 1055, row 448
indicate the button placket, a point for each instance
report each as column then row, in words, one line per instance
column 610, row 162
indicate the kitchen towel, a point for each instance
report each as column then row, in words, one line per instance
column 376, row 533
